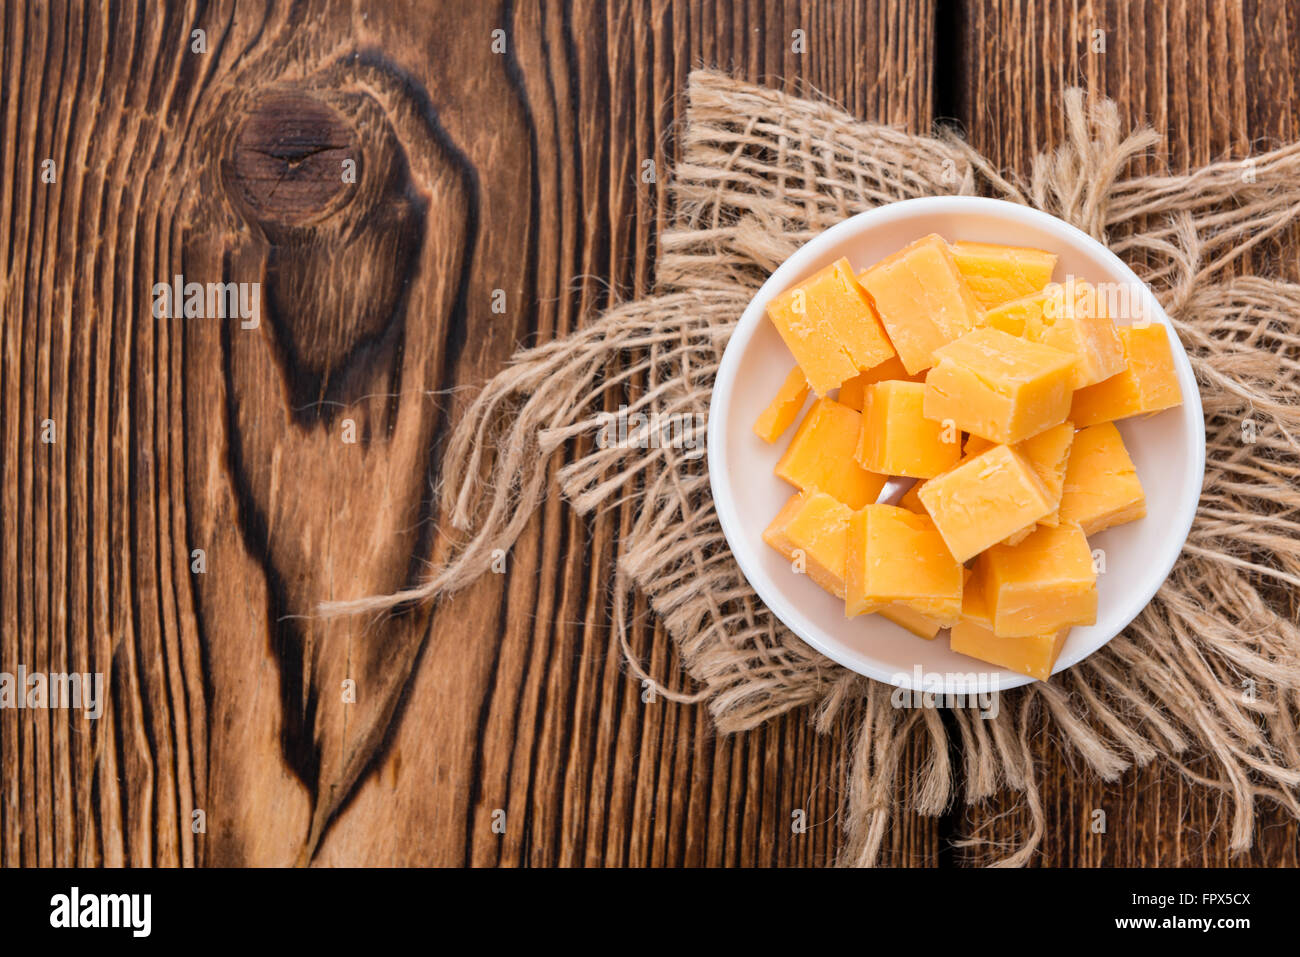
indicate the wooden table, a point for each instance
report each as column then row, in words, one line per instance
column 496, row 201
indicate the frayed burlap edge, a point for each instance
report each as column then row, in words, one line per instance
column 1207, row 677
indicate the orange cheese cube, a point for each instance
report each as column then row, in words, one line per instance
column 811, row 531
column 983, row 500
column 898, row 440
column 820, row 456
column 1047, row 454
column 775, row 534
column 1015, row 538
column 853, row 392
column 828, row 322
column 921, row 625
column 1147, row 383
column 911, row 499
column 896, row 556
column 1035, row 655
column 999, row 386
column 998, row 274
column 1074, row 320
column 784, row 408
column 1101, row 484
column 921, row 299
column 1042, row 585
column 1012, row 317
column 974, row 598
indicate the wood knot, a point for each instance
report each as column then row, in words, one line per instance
column 291, row 160
column 324, row 182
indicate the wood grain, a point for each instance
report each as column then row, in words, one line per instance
column 497, row 727
column 552, row 733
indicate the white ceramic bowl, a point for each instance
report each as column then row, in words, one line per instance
column 1168, row 450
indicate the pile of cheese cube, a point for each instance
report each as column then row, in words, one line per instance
column 964, row 367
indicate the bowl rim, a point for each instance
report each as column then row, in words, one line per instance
column 790, row 271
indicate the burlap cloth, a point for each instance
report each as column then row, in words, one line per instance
column 1208, row 676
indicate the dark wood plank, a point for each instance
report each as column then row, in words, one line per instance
column 585, row 771
column 1218, row 80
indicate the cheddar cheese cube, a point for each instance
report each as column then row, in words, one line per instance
column 921, row 299
column 784, row 408
column 820, row 456
column 853, row 392
column 998, row 386
column 1074, row 320
column 828, row 322
column 1047, row 454
column 775, row 534
column 811, row 531
column 919, row 624
column 896, row 556
column 1015, row 538
column 1070, row 317
column 1101, row 483
column 911, row 499
column 1012, row 317
column 998, row 274
column 974, row 598
column 898, row 440
column 1045, row 583
column 1147, row 383
column 1034, row 655
column 983, row 500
